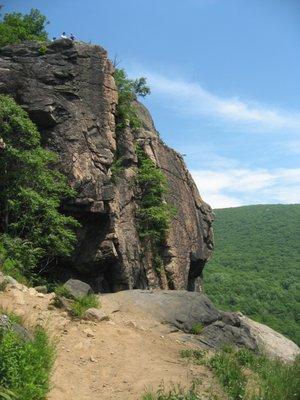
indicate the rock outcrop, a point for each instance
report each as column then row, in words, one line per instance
column 184, row 310
column 70, row 93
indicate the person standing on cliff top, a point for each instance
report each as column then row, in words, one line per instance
column 63, row 35
column 72, row 37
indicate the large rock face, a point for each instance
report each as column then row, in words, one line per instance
column 70, row 93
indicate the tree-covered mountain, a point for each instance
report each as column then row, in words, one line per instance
column 255, row 266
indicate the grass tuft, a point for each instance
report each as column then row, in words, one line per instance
column 197, row 328
column 175, row 394
column 80, row 305
column 196, row 356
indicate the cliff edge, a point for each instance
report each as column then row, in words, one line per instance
column 70, row 93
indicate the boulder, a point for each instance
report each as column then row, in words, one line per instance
column 230, row 318
column 77, row 288
column 273, row 343
column 219, row 334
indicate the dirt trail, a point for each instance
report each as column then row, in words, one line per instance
column 118, row 359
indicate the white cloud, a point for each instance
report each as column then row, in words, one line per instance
column 192, row 99
column 235, row 187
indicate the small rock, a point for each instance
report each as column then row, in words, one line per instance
column 89, row 333
column 41, row 289
column 94, row 314
column 9, row 280
column 41, row 295
column 77, row 288
column 92, row 359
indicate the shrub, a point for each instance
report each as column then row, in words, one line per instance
column 43, row 49
column 154, row 215
column 128, row 90
column 25, row 366
column 32, row 230
column 15, row 27
column 80, row 305
column 116, row 169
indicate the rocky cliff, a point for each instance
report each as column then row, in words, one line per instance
column 69, row 92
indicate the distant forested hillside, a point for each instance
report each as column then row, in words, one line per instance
column 256, row 265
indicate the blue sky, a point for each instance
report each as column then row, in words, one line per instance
column 225, row 79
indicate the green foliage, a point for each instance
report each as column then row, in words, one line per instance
column 80, row 305
column 128, row 90
column 197, row 329
column 25, row 366
column 43, row 49
column 273, row 380
column 6, row 394
column 116, row 169
column 155, row 214
column 16, row 27
column 32, row 230
column 255, row 265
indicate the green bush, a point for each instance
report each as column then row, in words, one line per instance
column 128, row 90
column 43, row 49
column 25, row 366
column 116, row 169
column 80, row 305
column 32, row 230
column 16, row 27
column 155, row 214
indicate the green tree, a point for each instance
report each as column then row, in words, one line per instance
column 16, row 27
column 32, row 230
column 128, row 90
